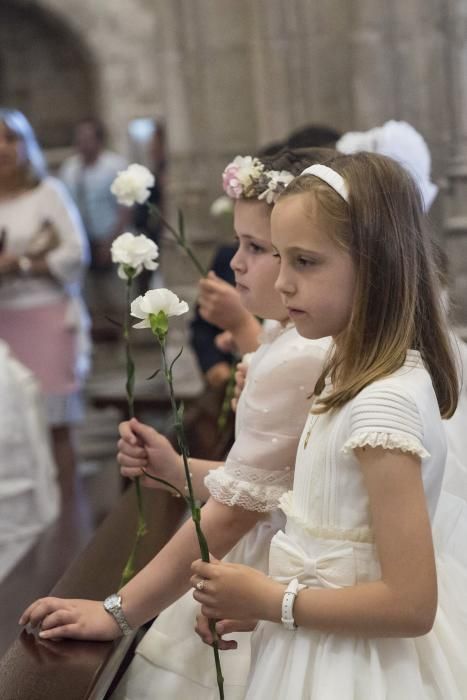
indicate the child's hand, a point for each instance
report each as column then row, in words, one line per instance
column 219, row 303
column 141, row 447
column 225, row 342
column 222, row 627
column 74, row 619
column 218, row 375
column 236, row 592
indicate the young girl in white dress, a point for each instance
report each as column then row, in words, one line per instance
column 171, row 661
column 349, row 608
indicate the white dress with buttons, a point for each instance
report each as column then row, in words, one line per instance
column 171, row 662
column 328, row 543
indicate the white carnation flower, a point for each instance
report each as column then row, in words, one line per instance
column 277, row 182
column 155, row 301
column 221, row 206
column 132, row 185
column 137, row 252
column 248, row 169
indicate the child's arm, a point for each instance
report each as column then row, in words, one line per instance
column 402, row 603
column 142, row 447
column 158, row 585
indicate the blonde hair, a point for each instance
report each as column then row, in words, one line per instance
column 397, row 303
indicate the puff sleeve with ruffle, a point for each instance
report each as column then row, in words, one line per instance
column 386, row 417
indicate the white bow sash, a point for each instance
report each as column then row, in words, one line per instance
column 334, row 568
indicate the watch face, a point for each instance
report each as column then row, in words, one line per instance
column 113, row 601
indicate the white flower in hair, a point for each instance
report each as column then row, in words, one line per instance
column 153, row 303
column 134, row 252
column 277, row 181
column 222, row 206
column 239, row 176
column 131, row 186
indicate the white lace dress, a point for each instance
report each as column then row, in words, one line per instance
column 328, row 542
column 171, row 662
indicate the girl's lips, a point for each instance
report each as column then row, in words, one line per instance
column 295, row 312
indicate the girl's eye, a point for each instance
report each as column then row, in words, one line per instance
column 276, row 255
column 255, row 248
column 304, row 262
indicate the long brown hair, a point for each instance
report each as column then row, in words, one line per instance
column 397, row 296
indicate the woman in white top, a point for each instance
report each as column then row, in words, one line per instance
column 42, row 257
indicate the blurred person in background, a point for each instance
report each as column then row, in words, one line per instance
column 88, row 175
column 42, row 259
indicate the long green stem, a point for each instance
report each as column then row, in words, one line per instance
column 226, row 407
column 179, row 238
column 141, row 530
column 194, row 505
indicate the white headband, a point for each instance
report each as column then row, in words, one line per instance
column 329, row 176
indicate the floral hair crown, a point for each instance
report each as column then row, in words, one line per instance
column 246, row 178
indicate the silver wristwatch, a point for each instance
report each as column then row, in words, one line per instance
column 113, row 605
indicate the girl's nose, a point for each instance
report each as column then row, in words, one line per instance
column 237, row 263
column 284, row 284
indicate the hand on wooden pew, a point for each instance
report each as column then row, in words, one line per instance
column 60, row 618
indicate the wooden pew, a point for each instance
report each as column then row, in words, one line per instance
column 33, row 669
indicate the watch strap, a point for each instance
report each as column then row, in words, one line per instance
column 288, row 601
column 113, row 605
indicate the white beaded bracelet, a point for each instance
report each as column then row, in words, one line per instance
column 288, row 601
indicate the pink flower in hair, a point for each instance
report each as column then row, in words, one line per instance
column 240, row 175
column 232, row 186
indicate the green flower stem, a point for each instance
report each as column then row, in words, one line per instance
column 141, row 530
column 193, row 504
column 179, row 236
column 226, row 407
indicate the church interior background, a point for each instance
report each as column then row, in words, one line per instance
column 226, row 77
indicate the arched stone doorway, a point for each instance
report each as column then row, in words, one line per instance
column 45, row 71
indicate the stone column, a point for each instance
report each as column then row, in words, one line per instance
column 300, row 60
column 456, row 220
column 203, row 59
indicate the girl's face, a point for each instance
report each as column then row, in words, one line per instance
column 253, row 264
column 317, row 276
column 12, row 151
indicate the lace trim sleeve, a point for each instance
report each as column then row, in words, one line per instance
column 388, row 441
column 248, row 487
column 387, row 417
